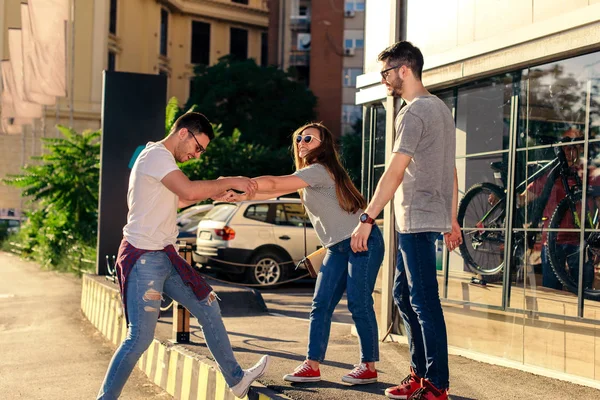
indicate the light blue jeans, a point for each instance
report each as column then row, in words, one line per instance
column 356, row 273
column 153, row 273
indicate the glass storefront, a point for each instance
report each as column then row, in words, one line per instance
column 525, row 285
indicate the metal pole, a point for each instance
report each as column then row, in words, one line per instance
column 44, row 122
column 33, row 139
column 72, row 85
column 57, row 116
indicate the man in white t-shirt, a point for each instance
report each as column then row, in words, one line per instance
column 148, row 264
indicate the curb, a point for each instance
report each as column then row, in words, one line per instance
column 182, row 373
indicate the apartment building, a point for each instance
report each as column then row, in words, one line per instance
column 166, row 37
column 322, row 43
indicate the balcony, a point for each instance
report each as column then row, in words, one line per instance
column 299, row 58
column 300, row 23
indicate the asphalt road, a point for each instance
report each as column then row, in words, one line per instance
column 48, row 350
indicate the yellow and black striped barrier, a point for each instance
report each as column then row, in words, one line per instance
column 183, row 374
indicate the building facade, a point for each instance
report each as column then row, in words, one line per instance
column 522, row 79
column 164, row 37
column 321, row 42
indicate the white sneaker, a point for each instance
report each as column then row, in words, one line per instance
column 250, row 375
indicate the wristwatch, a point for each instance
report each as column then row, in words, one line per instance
column 365, row 219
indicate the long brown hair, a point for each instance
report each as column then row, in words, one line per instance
column 349, row 197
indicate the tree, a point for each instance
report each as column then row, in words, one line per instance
column 64, row 188
column 229, row 156
column 264, row 103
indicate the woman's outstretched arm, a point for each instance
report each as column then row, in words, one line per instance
column 268, row 187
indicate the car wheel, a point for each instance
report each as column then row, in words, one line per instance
column 268, row 269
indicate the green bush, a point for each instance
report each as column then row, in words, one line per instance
column 63, row 186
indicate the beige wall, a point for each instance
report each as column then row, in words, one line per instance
column 137, row 44
column 460, row 29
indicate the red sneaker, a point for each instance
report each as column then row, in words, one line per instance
column 303, row 373
column 429, row 392
column 360, row 375
column 406, row 388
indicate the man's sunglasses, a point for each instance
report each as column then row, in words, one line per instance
column 307, row 138
column 199, row 149
column 386, row 72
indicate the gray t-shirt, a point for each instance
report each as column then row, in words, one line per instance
column 425, row 131
column 332, row 224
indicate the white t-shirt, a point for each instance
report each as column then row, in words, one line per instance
column 151, row 221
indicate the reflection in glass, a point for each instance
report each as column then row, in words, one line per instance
column 557, row 98
column 483, row 115
column 482, row 215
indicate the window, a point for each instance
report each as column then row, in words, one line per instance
column 373, row 151
column 351, row 113
column 111, row 61
column 164, row 31
column 112, row 17
column 257, row 212
column 221, row 212
column 303, row 11
column 355, row 5
column 200, row 43
column 240, row 1
column 238, row 46
column 291, row 214
column 349, row 77
column 354, row 39
column 264, row 49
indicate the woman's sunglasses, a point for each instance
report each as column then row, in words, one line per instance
column 307, row 138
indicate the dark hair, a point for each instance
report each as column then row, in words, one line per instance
column 404, row 53
column 194, row 122
column 348, row 196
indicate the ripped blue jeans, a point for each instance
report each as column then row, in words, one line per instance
column 152, row 275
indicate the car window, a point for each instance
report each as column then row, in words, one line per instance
column 221, row 212
column 291, row 214
column 257, row 212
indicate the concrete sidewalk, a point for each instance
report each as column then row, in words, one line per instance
column 48, row 350
column 285, row 339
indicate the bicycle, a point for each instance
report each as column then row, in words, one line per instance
column 482, row 218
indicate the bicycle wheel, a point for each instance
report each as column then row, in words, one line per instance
column 564, row 250
column 483, row 207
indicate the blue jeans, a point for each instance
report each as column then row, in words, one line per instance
column 416, row 295
column 153, row 273
column 356, row 273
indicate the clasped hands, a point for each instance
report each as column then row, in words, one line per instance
column 241, row 188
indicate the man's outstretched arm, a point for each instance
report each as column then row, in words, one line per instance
column 193, row 191
column 387, row 186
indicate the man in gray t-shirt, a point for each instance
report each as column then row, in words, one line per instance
column 421, row 176
column 425, row 132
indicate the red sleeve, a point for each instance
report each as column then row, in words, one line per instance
column 536, row 187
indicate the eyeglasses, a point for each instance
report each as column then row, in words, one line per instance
column 307, row 138
column 199, row 149
column 386, row 72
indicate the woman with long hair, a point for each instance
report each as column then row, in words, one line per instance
column 334, row 206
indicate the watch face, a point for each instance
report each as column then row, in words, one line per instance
column 363, row 217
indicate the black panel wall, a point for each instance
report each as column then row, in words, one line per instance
column 133, row 113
